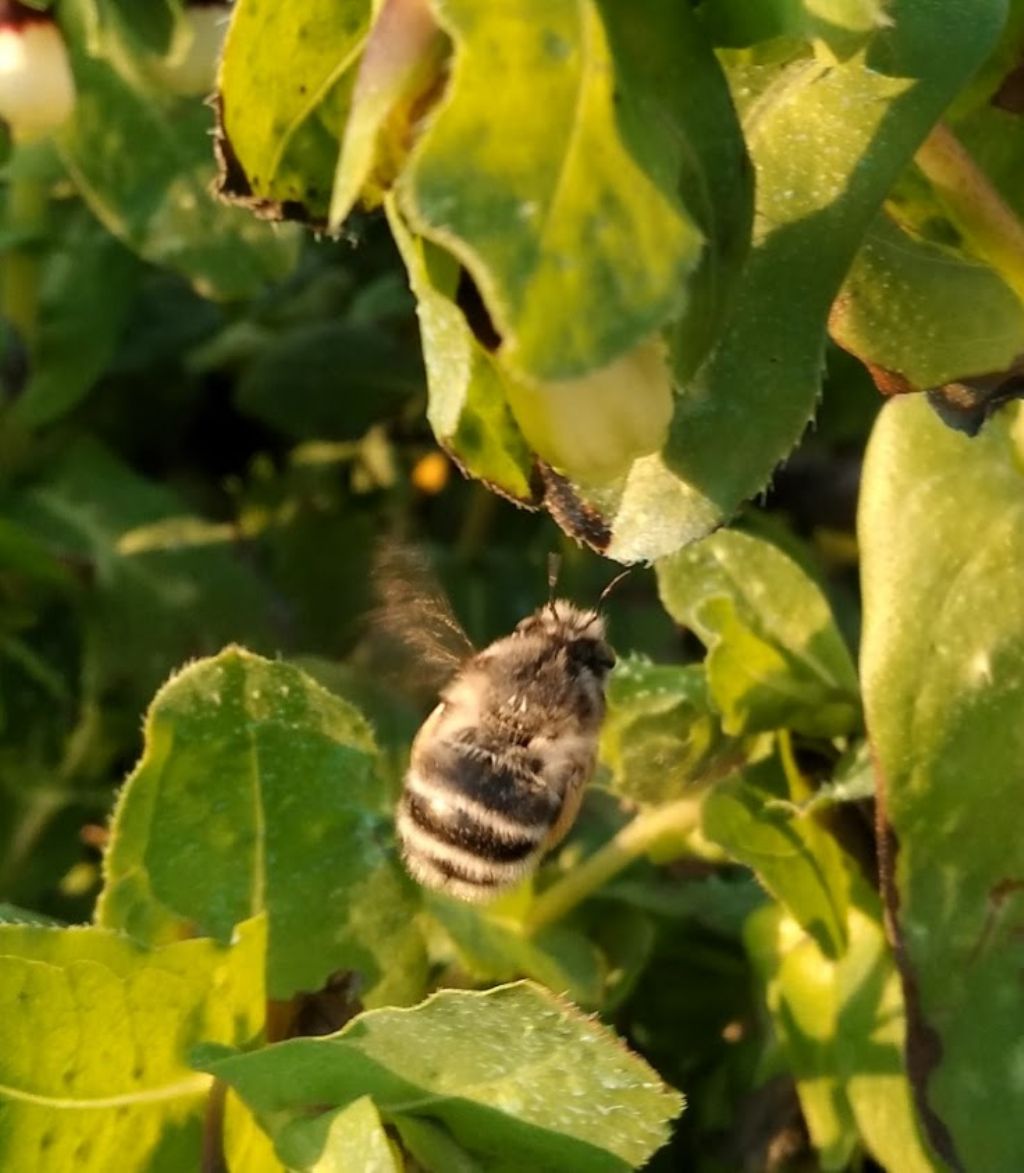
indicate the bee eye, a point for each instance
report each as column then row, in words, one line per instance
column 594, row 654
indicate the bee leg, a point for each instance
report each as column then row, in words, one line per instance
column 570, row 808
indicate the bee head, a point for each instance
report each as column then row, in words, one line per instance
column 581, row 632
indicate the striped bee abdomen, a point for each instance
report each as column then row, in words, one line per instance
column 472, row 823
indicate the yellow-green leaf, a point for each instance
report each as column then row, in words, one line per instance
column 94, row 1039
column 518, row 1077
column 580, row 252
column 257, row 791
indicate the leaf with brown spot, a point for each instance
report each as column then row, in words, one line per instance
column 941, row 532
column 284, row 91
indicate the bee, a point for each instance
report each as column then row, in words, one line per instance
column 497, row 771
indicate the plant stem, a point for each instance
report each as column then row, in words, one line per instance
column 799, row 788
column 988, row 223
column 27, row 205
column 674, row 819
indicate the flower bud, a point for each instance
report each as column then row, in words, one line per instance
column 37, row 90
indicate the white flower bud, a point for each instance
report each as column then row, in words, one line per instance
column 37, row 90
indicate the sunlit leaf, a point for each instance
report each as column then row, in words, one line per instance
column 926, row 312
column 347, row 1138
column 842, row 26
column 841, row 1025
column 284, row 87
column 775, row 655
column 828, row 140
column 257, row 791
column 577, row 238
column 518, row 1078
column 468, row 407
column 247, row 1148
column 941, row 530
column 601, row 399
column 400, row 66
column 798, row 861
column 661, row 731
column 94, row 1038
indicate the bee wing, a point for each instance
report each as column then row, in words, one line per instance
column 413, row 616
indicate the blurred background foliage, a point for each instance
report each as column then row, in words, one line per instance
column 207, row 425
column 197, row 449
column 226, row 477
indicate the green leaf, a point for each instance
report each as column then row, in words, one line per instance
column 256, row 791
column 841, row 1026
column 660, row 733
column 843, row 26
column 247, row 1148
column 285, row 86
column 77, row 331
column 593, row 428
column 23, row 553
column 340, row 1141
column 802, row 1000
column 401, row 64
column 164, row 604
column 995, row 140
column 93, row 1039
column 328, row 381
column 870, row 1041
column 10, row 914
column 798, row 861
column 433, row 1147
column 941, row 530
column 157, row 201
column 496, row 950
column 775, row 655
column 468, row 408
column 573, row 231
column 518, row 1078
column 674, row 110
column 827, row 140
column 853, row 780
column 926, row 312
column 125, row 32
column 674, row 116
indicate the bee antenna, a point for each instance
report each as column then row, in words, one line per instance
column 613, row 584
column 554, row 569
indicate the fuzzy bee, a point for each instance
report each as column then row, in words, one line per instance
column 497, row 771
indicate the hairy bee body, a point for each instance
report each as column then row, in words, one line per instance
column 498, row 769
